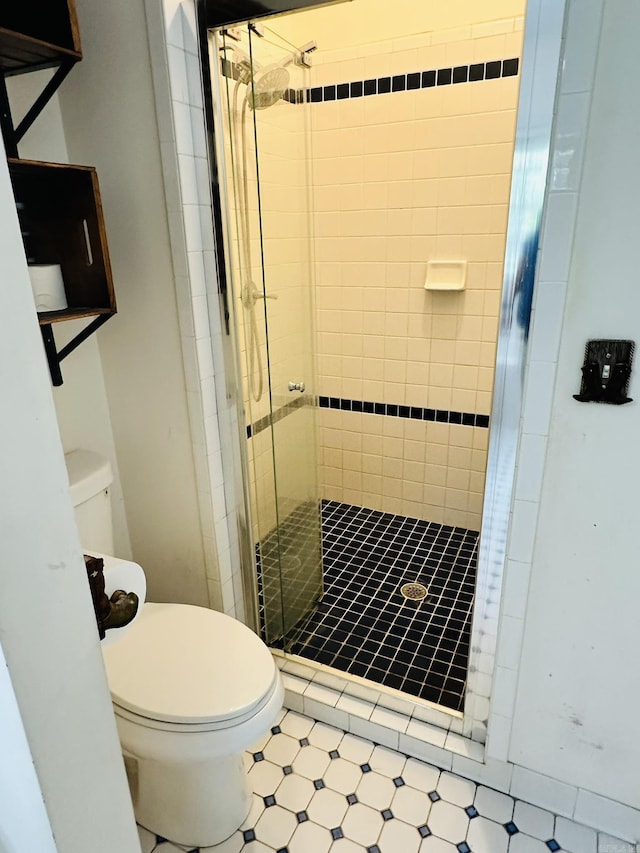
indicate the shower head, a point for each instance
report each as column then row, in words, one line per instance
column 269, row 85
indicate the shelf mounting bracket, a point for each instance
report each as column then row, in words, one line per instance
column 6, row 121
column 12, row 135
column 44, row 97
column 55, row 356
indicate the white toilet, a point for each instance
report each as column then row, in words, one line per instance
column 191, row 690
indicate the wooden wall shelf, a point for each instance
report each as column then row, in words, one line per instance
column 58, row 205
column 20, row 53
column 61, row 221
column 45, row 317
column 35, row 34
column 38, row 35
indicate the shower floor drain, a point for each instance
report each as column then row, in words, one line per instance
column 414, row 591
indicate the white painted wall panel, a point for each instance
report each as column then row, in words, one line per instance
column 579, row 687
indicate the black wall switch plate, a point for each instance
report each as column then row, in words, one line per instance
column 606, row 372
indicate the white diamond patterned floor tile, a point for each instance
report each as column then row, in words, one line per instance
column 494, row 805
column 319, row 790
column 282, row 749
column 356, row 749
column 574, row 838
column 411, row 806
column 328, row 808
column 533, row 821
column 325, row 737
column 362, row 824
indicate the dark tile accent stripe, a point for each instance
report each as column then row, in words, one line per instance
column 461, row 74
column 370, row 87
column 510, row 67
column 415, row 80
column 413, row 412
column 428, row 79
column 416, row 413
column 398, row 83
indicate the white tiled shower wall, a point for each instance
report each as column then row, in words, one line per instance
column 578, row 64
column 401, row 179
column 181, row 125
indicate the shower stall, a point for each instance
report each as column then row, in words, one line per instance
column 365, row 191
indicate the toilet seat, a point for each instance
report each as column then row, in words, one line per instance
column 186, row 668
column 195, row 728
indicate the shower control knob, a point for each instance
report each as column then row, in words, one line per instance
column 296, row 386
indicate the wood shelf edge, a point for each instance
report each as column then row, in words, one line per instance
column 46, row 48
column 46, row 318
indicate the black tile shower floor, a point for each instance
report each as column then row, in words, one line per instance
column 365, row 626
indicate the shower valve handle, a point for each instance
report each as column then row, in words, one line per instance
column 296, row 386
column 250, row 295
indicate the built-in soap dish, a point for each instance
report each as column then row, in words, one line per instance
column 446, row 275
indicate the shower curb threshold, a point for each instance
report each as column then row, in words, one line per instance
column 378, row 714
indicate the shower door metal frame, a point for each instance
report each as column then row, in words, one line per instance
column 543, row 30
column 239, row 464
column 219, row 13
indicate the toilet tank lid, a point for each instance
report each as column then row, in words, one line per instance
column 89, row 474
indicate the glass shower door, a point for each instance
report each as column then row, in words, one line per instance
column 266, row 144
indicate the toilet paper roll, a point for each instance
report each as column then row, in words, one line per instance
column 48, row 287
column 122, row 574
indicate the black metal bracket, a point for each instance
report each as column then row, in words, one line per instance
column 54, row 357
column 52, row 354
column 12, row 135
column 44, row 97
column 6, row 121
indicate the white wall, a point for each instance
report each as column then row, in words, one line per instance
column 110, row 122
column 579, row 688
column 24, row 824
column 48, row 629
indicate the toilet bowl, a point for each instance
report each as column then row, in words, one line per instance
column 191, row 689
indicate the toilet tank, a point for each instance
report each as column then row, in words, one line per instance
column 90, row 478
